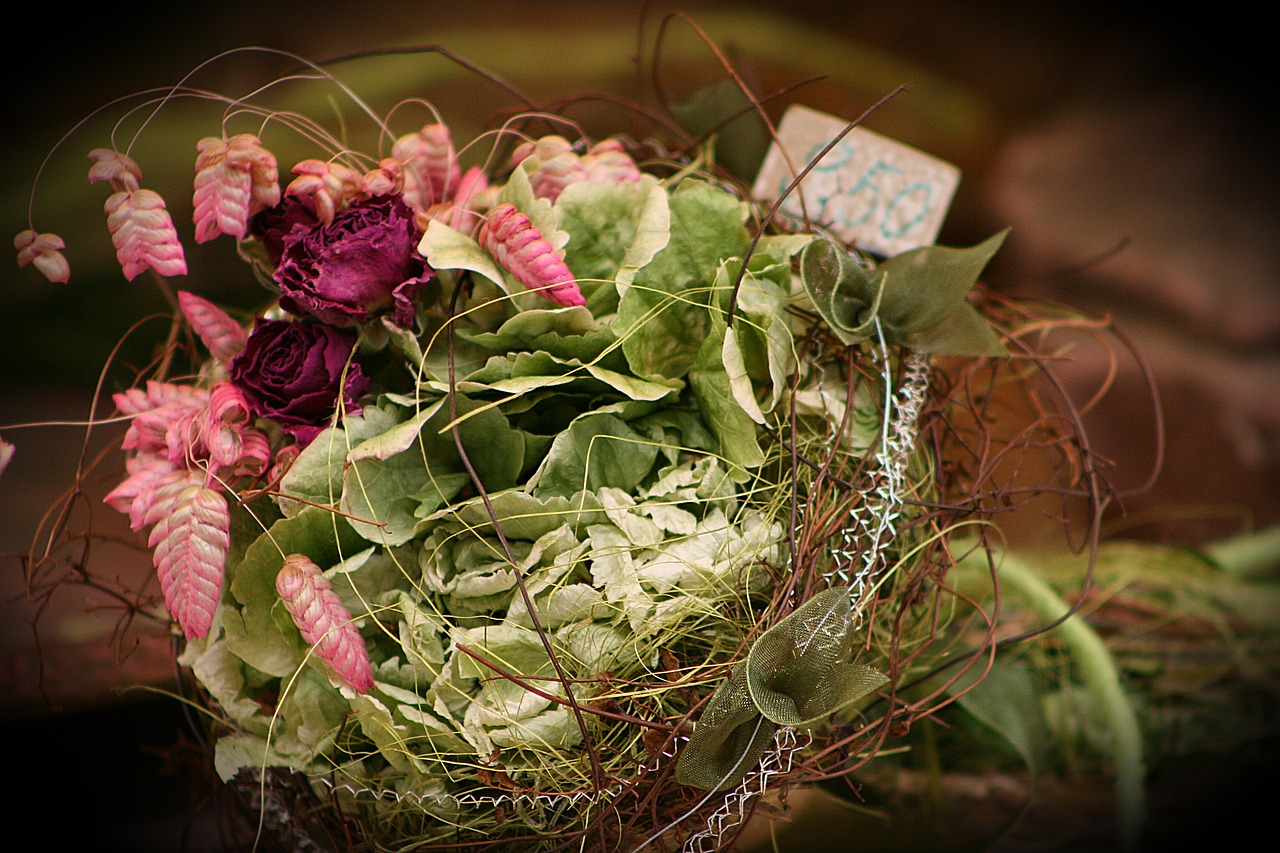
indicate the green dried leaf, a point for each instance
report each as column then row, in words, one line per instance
column 615, row 229
column 662, row 318
column 448, row 249
column 919, row 296
column 1005, row 700
column 597, row 450
column 731, row 424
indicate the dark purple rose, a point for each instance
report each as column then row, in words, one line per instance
column 271, row 226
column 362, row 264
column 292, row 373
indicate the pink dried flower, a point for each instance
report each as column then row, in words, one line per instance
column 609, row 162
column 116, row 168
column 386, row 179
column 326, row 185
column 324, row 623
column 190, row 540
column 431, row 165
column 44, row 251
column 521, row 249
column 235, row 178
column 143, row 234
column 552, row 165
column 460, row 214
column 217, row 330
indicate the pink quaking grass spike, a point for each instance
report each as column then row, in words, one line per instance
column 143, row 234
column 116, row 168
column 609, row 162
column 189, row 543
column 552, row 164
column 217, row 330
column 462, row 212
column 386, row 179
column 44, row 252
column 431, row 164
column 324, row 623
column 522, row 250
column 235, row 178
column 327, row 185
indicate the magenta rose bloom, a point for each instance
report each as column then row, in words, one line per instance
column 292, row 373
column 363, row 264
column 272, row 226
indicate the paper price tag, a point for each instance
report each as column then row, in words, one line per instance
column 878, row 194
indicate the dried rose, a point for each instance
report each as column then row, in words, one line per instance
column 363, row 264
column 298, row 374
column 272, row 226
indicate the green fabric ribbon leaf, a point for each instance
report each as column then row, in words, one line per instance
column 798, row 673
column 919, row 296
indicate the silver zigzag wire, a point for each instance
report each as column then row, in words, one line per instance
column 733, row 811
column 872, row 525
column 872, row 521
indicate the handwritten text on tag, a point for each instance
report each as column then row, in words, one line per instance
column 874, row 192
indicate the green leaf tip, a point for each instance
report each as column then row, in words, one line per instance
column 918, row 297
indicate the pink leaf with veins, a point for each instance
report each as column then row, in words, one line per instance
column 521, row 249
column 190, row 540
column 220, row 333
column 143, row 234
column 324, row 623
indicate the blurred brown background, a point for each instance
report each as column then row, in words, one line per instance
column 1132, row 156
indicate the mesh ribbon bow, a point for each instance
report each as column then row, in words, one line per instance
column 797, row 674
